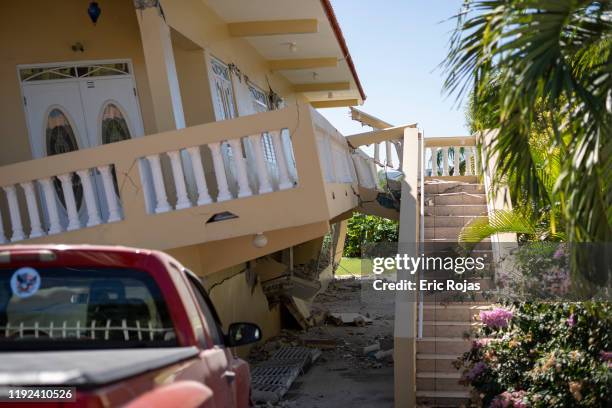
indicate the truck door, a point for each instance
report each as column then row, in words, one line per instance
column 217, row 358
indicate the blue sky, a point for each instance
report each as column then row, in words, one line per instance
column 396, row 46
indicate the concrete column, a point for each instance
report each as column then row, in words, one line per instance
column 71, row 208
column 284, row 181
column 198, row 172
column 241, row 171
column 260, row 164
column 35, row 225
column 389, row 158
column 467, row 153
column 445, row 161
column 182, row 200
column 15, row 214
column 2, row 236
column 405, row 330
column 158, row 184
column 224, row 193
column 161, row 70
column 109, row 193
column 456, row 171
column 54, row 221
column 93, row 215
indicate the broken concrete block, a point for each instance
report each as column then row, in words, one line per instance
column 340, row 319
column 371, row 348
column 383, row 354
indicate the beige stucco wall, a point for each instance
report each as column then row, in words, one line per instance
column 201, row 25
column 43, row 31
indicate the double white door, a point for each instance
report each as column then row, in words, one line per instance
column 79, row 111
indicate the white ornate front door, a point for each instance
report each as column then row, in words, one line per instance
column 76, row 106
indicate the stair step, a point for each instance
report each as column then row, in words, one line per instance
column 455, row 297
column 461, row 209
column 446, row 345
column 446, row 221
column 460, row 313
column 448, row 328
column 432, row 187
column 432, row 381
column 443, row 398
column 442, row 232
column 455, row 199
column 461, row 179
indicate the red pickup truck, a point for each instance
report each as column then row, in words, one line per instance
column 119, row 326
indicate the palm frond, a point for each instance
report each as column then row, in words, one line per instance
column 497, row 222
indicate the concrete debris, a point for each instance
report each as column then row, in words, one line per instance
column 371, row 348
column 354, row 346
column 383, row 354
column 342, row 319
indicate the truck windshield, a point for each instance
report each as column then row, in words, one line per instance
column 75, row 308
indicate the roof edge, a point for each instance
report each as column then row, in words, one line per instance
column 331, row 16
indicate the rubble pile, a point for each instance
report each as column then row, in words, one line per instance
column 344, row 339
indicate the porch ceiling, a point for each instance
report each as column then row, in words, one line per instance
column 325, row 42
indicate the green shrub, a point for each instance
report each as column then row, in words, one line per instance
column 542, row 355
column 368, row 229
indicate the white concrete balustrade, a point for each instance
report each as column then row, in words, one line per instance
column 135, row 182
column 51, row 204
column 445, row 156
column 337, row 162
column 186, row 196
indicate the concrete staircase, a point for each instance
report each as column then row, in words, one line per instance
column 449, row 205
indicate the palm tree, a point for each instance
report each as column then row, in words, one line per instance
column 550, row 64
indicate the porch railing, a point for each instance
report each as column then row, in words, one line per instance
column 204, row 165
column 451, row 156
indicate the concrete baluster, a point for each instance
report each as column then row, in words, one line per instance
column 91, row 201
column 182, row 199
column 241, row 171
column 260, row 164
column 198, row 172
column 70, row 201
column 224, row 193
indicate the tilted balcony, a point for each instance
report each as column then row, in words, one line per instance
column 190, row 186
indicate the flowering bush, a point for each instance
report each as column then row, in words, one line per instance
column 542, row 355
column 496, row 318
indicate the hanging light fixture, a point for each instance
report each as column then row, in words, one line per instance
column 94, row 11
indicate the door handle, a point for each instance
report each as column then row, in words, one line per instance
column 230, row 376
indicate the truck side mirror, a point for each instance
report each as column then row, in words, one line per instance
column 241, row 333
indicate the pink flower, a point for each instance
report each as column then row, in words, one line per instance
column 475, row 372
column 606, row 355
column 496, row 318
column 509, row 399
column 559, row 252
column 571, row 321
column 479, row 343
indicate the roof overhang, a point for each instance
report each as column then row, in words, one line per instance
column 302, row 41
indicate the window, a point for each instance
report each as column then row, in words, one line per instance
column 114, row 126
column 76, row 307
column 60, row 138
column 208, row 310
column 260, row 104
column 46, row 73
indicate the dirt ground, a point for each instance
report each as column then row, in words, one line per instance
column 344, row 376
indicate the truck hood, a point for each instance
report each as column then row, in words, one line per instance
column 85, row 367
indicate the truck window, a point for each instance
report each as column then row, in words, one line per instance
column 75, row 307
column 210, row 314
